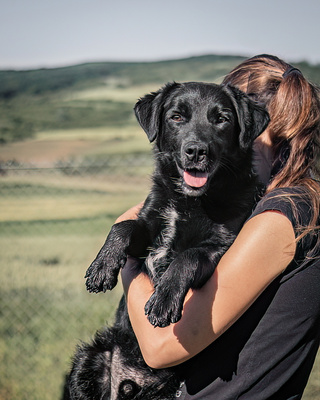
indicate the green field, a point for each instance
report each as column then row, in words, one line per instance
column 83, row 161
column 45, row 311
column 53, row 221
column 50, row 231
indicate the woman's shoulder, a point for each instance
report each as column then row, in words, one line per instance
column 294, row 202
column 292, row 193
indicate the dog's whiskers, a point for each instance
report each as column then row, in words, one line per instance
column 226, row 164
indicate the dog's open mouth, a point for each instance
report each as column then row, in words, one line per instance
column 195, row 178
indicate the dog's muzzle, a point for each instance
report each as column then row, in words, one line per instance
column 194, row 157
column 195, row 152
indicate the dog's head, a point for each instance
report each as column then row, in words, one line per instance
column 200, row 128
column 112, row 368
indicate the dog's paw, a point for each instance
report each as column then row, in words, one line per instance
column 100, row 279
column 102, row 275
column 162, row 310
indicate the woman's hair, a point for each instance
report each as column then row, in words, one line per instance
column 293, row 104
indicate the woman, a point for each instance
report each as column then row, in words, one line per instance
column 252, row 332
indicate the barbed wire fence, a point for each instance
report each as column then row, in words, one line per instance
column 53, row 221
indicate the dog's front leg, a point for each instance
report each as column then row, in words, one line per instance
column 190, row 269
column 103, row 273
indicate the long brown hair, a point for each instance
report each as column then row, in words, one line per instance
column 294, row 108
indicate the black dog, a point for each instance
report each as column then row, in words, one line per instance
column 203, row 190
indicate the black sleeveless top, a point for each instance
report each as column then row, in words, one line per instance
column 269, row 352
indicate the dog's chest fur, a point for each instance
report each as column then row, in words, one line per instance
column 181, row 227
column 160, row 252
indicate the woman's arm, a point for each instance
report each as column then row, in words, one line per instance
column 132, row 213
column 262, row 250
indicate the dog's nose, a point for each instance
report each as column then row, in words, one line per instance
column 195, row 151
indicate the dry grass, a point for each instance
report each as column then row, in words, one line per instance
column 85, row 198
column 52, row 146
column 115, row 93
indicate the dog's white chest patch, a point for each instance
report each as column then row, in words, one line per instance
column 160, row 252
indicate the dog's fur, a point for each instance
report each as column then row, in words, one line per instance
column 203, row 190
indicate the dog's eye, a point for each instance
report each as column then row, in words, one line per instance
column 220, row 119
column 128, row 389
column 176, row 117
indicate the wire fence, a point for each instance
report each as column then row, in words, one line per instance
column 53, row 220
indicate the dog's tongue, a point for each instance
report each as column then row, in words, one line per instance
column 195, row 178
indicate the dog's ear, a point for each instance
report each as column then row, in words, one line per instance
column 149, row 108
column 253, row 118
column 90, row 376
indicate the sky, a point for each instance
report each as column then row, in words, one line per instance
column 55, row 33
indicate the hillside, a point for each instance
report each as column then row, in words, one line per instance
column 13, row 83
column 76, row 96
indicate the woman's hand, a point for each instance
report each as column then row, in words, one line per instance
column 262, row 250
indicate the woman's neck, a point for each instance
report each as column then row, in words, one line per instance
column 265, row 139
column 263, row 157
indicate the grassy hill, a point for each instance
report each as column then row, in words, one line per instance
column 60, row 192
column 13, row 83
column 96, row 94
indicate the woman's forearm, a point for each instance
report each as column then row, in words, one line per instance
column 262, row 250
column 165, row 347
column 168, row 341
